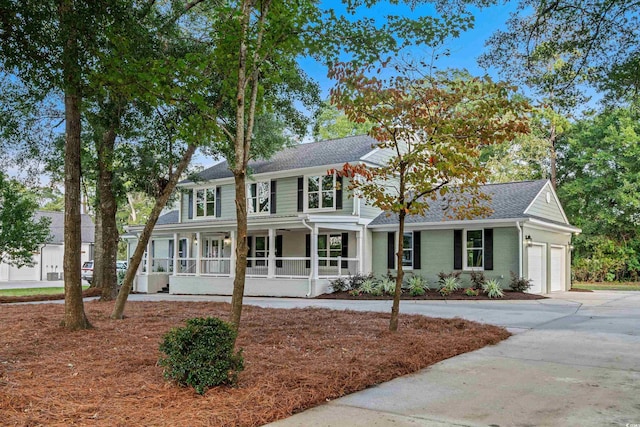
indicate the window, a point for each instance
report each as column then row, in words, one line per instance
column 258, row 198
column 205, row 202
column 407, row 250
column 212, row 248
column 329, row 246
column 474, row 249
column 321, row 192
column 261, row 250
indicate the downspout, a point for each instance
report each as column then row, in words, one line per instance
column 520, row 243
column 41, row 259
column 311, row 272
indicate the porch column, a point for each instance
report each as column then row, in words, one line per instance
column 232, row 260
column 271, row 261
column 197, row 245
column 176, row 243
column 314, row 253
column 149, row 256
column 360, row 252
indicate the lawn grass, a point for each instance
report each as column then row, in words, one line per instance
column 608, row 286
column 33, row 291
column 294, row 359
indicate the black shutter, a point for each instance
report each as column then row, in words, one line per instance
column 272, row 198
column 278, row 250
column 488, row 248
column 345, row 249
column 249, row 244
column 391, row 248
column 457, row 249
column 339, row 192
column 218, row 204
column 191, row 204
column 416, row 250
column 307, row 250
column 300, row 194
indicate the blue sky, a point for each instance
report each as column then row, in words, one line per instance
column 464, row 50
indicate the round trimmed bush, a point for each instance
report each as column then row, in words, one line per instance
column 201, row 354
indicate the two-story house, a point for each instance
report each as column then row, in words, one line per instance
column 305, row 228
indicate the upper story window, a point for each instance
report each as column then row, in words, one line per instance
column 321, row 192
column 474, row 249
column 205, row 202
column 258, row 198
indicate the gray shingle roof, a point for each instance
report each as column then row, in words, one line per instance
column 331, row 152
column 508, row 200
column 168, row 218
column 57, row 226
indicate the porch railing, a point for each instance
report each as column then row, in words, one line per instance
column 215, row 266
column 293, row 267
column 187, row 266
column 337, row 267
column 257, row 267
column 158, row 265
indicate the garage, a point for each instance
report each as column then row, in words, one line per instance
column 557, row 268
column 537, row 269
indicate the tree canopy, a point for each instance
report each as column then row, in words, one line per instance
column 21, row 234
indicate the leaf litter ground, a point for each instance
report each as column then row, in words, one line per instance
column 294, row 359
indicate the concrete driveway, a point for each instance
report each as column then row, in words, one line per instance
column 574, row 361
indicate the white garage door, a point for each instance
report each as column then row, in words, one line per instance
column 536, row 269
column 557, row 268
column 24, row 273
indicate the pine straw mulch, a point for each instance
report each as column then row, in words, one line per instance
column 294, row 359
column 90, row 292
column 435, row 296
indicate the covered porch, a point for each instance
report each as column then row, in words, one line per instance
column 297, row 259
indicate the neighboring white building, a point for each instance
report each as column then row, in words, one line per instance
column 48, row 260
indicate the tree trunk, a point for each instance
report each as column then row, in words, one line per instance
column 107, row 207
column 125, row 289
column 96, row 281
column 241, row 250
column 395, row 308
column 74, row 316
column 241, row 153
column 553, row 155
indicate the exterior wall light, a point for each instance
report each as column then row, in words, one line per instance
column 528, row 240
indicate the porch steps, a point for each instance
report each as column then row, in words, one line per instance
column 164, row 290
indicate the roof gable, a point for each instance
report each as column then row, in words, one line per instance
column 87, row 228
column 546, row 205
column 322, row 153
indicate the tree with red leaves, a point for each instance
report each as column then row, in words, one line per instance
column 434, row 128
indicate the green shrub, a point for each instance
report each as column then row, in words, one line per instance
column 367, row 286
column 442, row 276
column 120, row 276
column 471, row 292
column 493, row 289
column 449, row 284
column 519, row 284
column 388, row 286
column 477, row 279
column 338, row 285
column 201, row 354
column 354, row 292
column 417, row 285
column 356, row 281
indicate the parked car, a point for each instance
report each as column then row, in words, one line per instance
column 87, row 269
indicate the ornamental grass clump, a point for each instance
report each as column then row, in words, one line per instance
column 417, row 286
column 449, row 285
column 201, row 354
column 493, row 289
